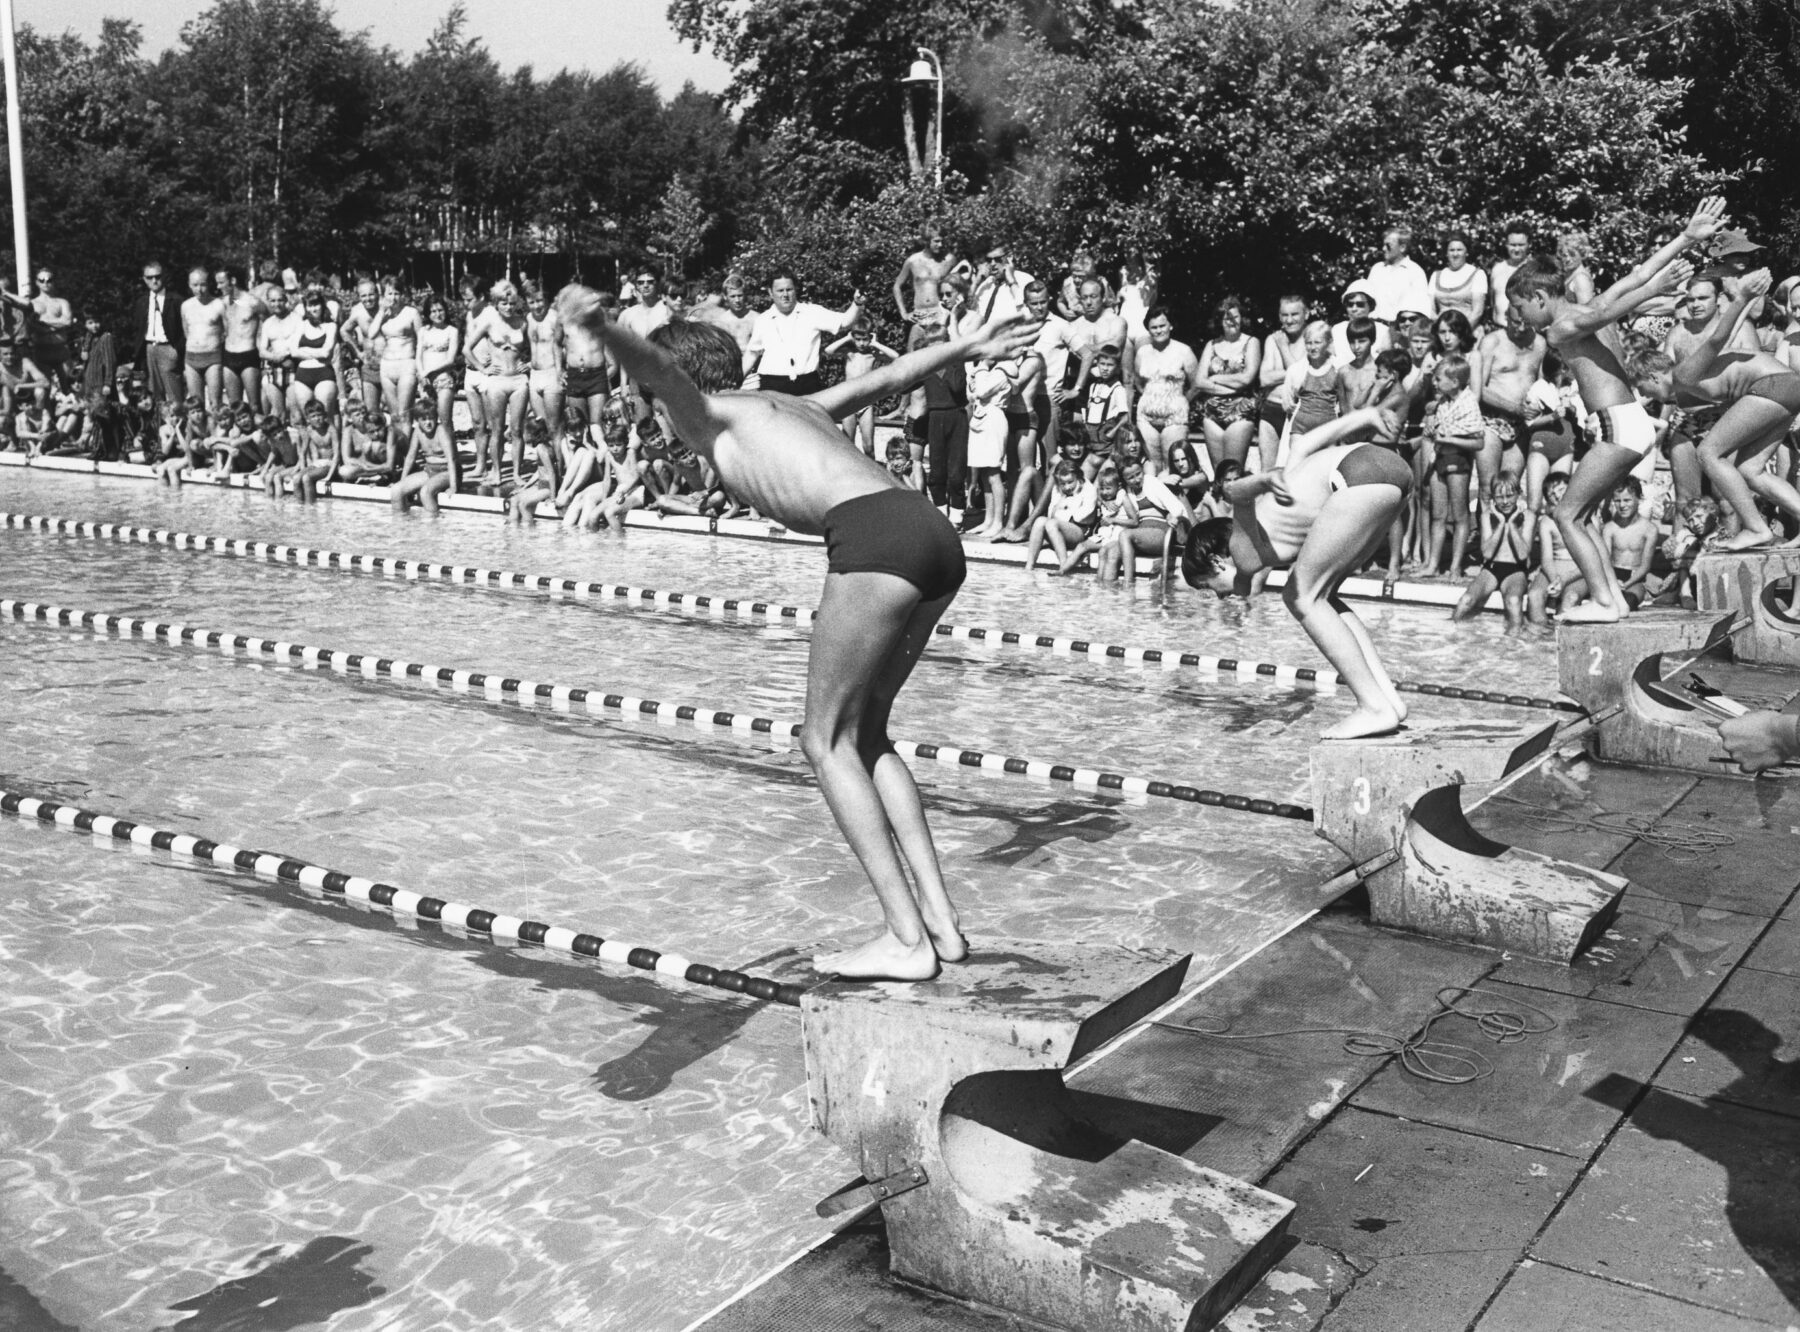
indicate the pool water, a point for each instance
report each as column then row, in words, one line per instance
column 222, row 1094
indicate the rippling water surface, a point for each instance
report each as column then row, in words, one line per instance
column 224, row 1099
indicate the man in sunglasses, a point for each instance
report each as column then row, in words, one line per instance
column 53, row 328
column 154, row 336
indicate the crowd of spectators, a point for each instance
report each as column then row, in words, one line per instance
column 1107, row 441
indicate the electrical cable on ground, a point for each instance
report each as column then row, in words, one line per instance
column 1434, row 1061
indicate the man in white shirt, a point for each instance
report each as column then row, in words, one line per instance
column 784, row 350
column 1518, row 254
column 649, row 313
column 999, row 287
column 1397, row 282
column 156, row 336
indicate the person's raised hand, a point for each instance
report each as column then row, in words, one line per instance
column 1707, row 218
column 1670, row 277
column 1004, row 337
column 1749, row 286
column 580, row 306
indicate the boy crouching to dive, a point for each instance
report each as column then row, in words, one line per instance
column 894, row 565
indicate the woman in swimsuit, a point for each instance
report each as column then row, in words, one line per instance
column 1573, row 250
column 314, row 349
column 1459, row 285
column 1323, row 516
column 203, row 325
column 1166, row 370
column 398, row 324
column 500, row 332
column 440, row 342
column 1230, row 367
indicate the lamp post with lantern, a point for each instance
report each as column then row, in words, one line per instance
column 926, row 71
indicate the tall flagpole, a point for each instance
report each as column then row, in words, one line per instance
column 15, row 148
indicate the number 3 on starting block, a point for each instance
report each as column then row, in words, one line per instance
column 1360, row 795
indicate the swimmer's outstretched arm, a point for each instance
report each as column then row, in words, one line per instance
column 1001, row 339
column 1628, row 291
column 1743, row 291
column 647, row 364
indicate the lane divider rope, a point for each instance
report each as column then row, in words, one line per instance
column 494, row 684
column 714, row 606
column 353, row 888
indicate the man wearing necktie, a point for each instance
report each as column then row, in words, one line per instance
column 156, row 338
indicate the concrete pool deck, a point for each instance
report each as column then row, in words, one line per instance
column 1637, row 1166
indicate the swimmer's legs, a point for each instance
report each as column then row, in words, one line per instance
column 1734, row 451
column 1346, row 532
column 870, row 630
column 1594, row 479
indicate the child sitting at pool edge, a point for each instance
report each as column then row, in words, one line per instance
column 894, row 564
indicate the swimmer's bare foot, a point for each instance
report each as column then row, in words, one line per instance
column 946, row 935
column 882, row 958
column 1363, row 723
column 1593, row 612
column 1749, row 539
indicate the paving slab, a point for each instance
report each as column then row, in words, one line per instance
column 1552, row 809
column 1295, row 1295
column 1264, row 1095
column 1563, row 1090
column 1434, row 1219
column 1734, row 1051
column 1699, row 1200
column 1778, row 950
column 1542, row 1298
column 1755, row 872
column 1657, row 954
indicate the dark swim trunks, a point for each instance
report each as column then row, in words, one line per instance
column 588, row 381
column 896, row 532
column 1782, row 389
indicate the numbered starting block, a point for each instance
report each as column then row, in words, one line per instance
column 1399, row 797
column 1762, row 588
column 949, row 1095
column 1617, row 672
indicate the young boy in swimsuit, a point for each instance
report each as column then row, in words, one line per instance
column 1557, row 578
column 1762, row 398
column 1586, row 336
column 894, row 563
column 1505, row 556
column 1630, row 538
column 1323, row 516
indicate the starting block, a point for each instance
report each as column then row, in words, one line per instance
column 949, row 1094
column 1762, row 587
column 1401, row 795
column 1616, row 672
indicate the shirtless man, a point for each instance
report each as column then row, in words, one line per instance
column 1761, row 397
column 1511, row 360
column 545, row 332
column 1282, row 349
column 203, row 326
column 588, row 373
column 894, row 565
column 1696, row 312
column 1095, row 327
column 274, row 350
column 1587, row 338
column 244, row 314
column 733, row 312
column 361, row 333
column 923, row 270
column 1323, row 515
column 51, row 330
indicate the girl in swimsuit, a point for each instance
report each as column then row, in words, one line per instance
column 1166, row 370
column 1505, row 557
column 474, row 305
column 1230, row 368
column 314, row 348
column 430, row 467
column 440, row 343
column 398, row 324
column 500, row 332
column 1323, row 516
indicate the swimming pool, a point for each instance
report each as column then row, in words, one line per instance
column 219, row 1090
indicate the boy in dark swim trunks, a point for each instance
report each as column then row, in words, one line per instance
column 894, row 565
column 1505, row 557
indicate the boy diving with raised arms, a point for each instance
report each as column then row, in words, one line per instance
column 894, row 564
